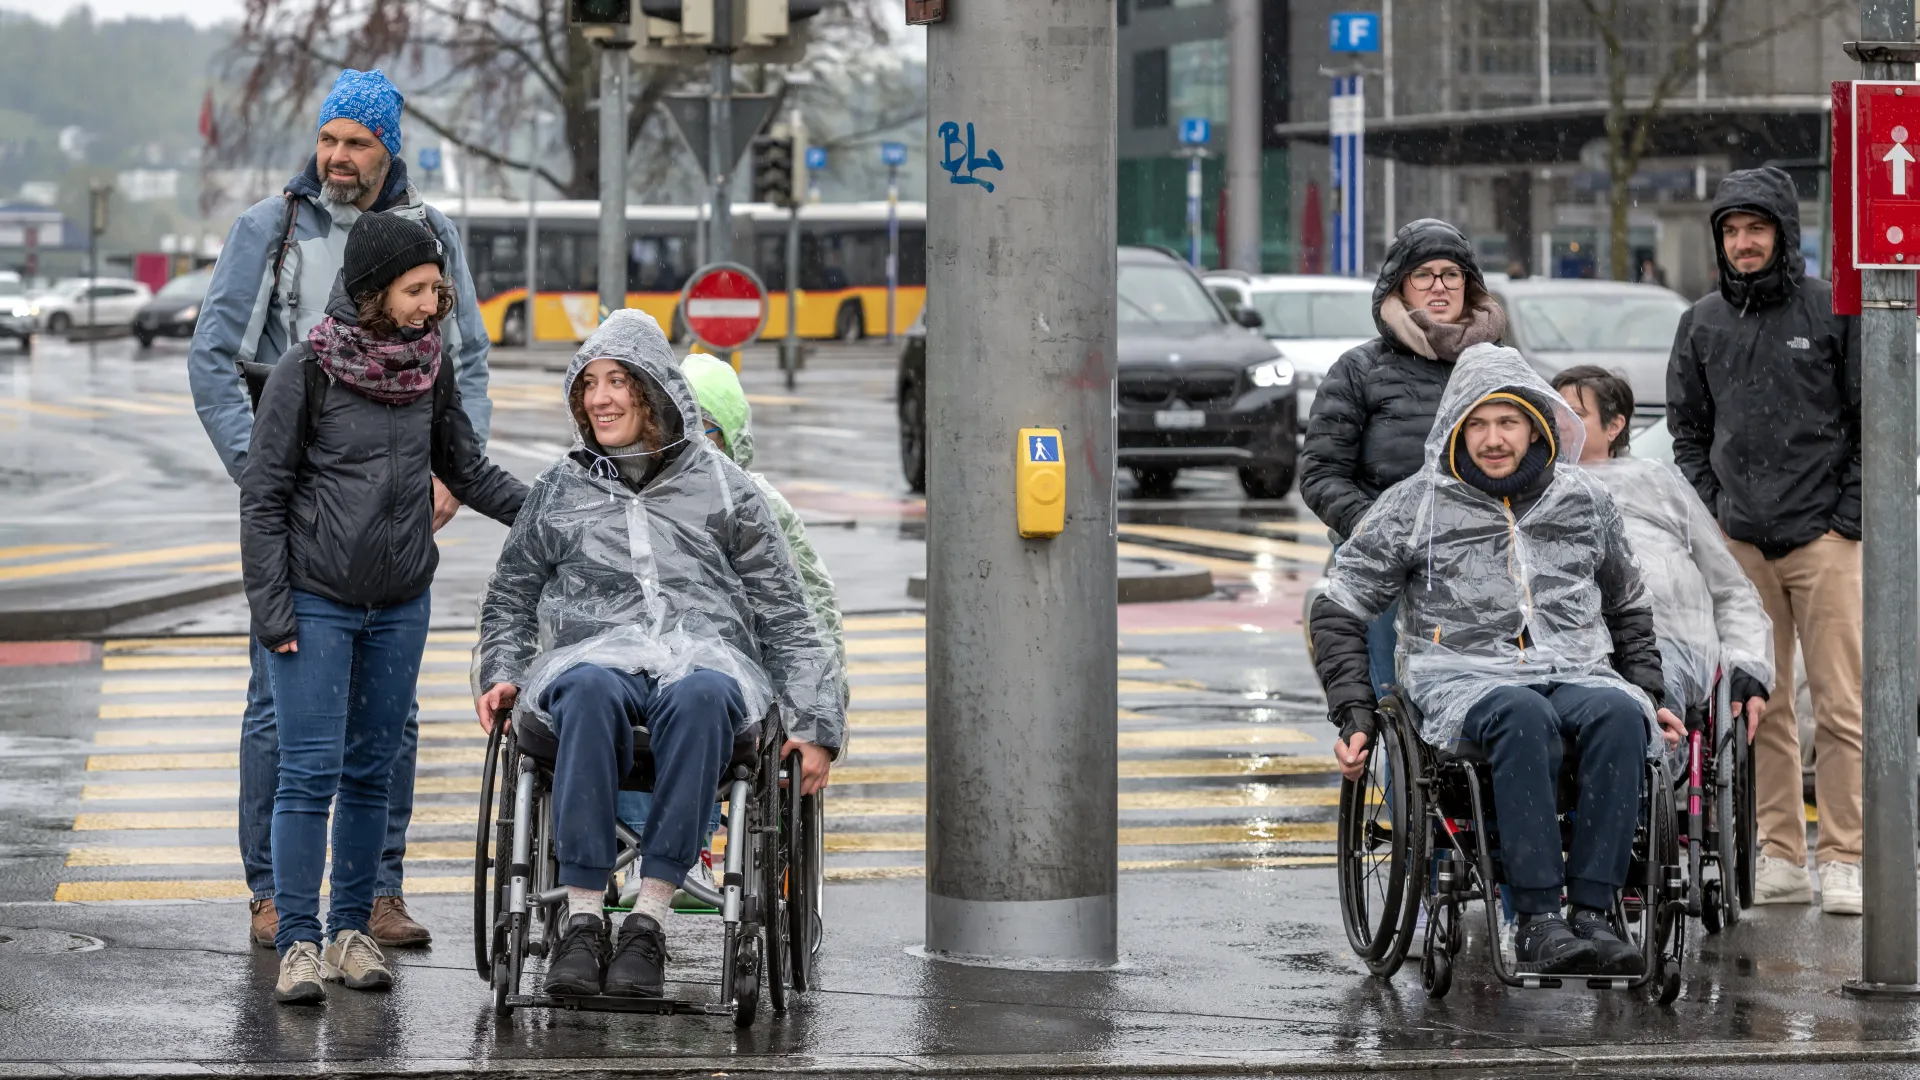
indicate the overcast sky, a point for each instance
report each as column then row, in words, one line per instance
column 203, row 12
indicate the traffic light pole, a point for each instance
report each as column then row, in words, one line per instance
column 1021, row 633
column 893, row 247
column 614, row 63
column 720, row 134
column 1889, row 946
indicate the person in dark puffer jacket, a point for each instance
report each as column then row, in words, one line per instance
column 1371, row 416
column 336, row 529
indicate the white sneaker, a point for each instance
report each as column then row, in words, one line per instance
column 301, row 973
column 1781, row 881
column 353, row 958
column 1840, row 888
column 702, row 873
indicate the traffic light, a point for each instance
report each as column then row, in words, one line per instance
column 773, row 170
column 601, row 12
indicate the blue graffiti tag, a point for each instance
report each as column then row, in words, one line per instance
column 967, row 160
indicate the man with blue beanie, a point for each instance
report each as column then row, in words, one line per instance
column 269, row 290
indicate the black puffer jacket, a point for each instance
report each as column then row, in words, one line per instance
column 1763, row 389
column 350, row 516
column 1372, row 413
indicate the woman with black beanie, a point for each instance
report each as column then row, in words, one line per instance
column 336, row 529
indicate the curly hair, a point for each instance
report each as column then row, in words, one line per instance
column 373, row 311
column 650, row 434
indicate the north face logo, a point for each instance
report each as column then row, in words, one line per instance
column 1799, row 343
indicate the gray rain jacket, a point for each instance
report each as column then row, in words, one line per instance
column 1485, row 600
column 1705, row 611
column 691, row 571
column 248, row 317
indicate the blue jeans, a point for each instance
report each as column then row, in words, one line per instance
column 343, row 701
column 1381, row 638
column 691, row 723
column 260, row 777
column 1521, row 728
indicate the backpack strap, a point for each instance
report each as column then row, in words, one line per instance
column 443, row 386
column 317, row 382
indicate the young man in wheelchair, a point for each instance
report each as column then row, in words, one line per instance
column 1522, row 622
column 646, row 583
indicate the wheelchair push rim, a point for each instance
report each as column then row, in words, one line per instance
column 1377, row 849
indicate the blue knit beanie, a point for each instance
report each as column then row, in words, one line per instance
column 367, row 98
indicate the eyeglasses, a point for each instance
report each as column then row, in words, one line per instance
column 715, row 430
column 1452, row 279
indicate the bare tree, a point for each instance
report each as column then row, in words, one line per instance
column 494, row 61
column 1664, row 45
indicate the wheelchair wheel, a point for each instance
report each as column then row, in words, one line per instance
column 801, row 822
column 483, row 892
column 1381, row 815
column 774, row 871
column 1745, row 820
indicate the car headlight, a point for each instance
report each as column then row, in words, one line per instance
column 33, row 311
column 1274, row 372
column 23, row 311
column 189, row 314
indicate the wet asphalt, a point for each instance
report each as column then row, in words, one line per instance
column 122, row 944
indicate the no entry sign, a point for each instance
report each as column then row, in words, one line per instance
column 724, row 306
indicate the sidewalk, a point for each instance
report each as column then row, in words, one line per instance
column 1225, row 973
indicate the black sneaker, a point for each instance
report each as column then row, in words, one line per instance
column 580, row 959
column 1545, row 944
column 1617, row 957
column 639, row 966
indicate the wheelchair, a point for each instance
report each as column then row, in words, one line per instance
column 1718, row 820
column 1417, row 831
column 768, row 898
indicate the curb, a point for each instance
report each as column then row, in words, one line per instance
column 92, row 617
column 1298, row 1062
column 1141, row 581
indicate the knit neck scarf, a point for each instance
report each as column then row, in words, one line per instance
column 393, row 370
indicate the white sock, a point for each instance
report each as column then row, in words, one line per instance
column 585, row 902
column 656, row 900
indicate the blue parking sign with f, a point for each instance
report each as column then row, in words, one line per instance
column 1354, row 32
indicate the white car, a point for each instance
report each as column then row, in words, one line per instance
column 1313, row 318
column 104, row 301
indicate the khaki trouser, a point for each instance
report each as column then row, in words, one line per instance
column 1813, row 591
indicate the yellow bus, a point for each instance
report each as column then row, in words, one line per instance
column 843, row 265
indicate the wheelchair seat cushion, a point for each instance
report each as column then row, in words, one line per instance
column 536, row 739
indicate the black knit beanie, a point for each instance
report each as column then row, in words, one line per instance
column 381, row 247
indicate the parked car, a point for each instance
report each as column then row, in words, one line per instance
column 1314, row 318
column 173, row 310
column 1627, row 329
column 1196, row 388
column 16, row 315
column 106, row 301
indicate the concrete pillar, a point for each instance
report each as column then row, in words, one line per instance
column 1245, row 138
column 1021, row 634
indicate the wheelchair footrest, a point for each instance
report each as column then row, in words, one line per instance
column 604, row 1003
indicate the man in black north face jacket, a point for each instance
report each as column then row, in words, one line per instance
column 1763, row 400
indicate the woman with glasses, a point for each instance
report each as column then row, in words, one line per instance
column 1373, row 412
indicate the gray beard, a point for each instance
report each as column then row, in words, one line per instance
column 335, row 191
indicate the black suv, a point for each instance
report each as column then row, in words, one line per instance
column 1197, row 387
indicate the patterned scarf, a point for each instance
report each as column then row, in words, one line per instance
column 391, row 370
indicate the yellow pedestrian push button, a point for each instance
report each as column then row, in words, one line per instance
column 1040, row 483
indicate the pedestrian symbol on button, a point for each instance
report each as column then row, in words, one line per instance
column 1043, row 448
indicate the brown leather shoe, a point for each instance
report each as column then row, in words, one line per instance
column 266, row 921
column 391, row 926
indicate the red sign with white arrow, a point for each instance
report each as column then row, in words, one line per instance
column 724, row 305
column 1885, row 182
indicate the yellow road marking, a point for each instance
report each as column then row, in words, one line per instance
column 120, row 561
column 34, row 551
column 918, row 691
column 432, row 755
column 46, row 409
column 1259, row 765
column 771, row 400
column 127, row 645
column 215, row 683
column 200, row 736
column 172, row 663
column 218, row 855
column 913, row 718
column 1210, row 628
column 1250, row 862
column 452, row 637
column 1200, row 799
column 865, row 624
column 228, row 789
column 1163, row 739
column 426, row 814
column 1246, row 832
column 886, row 646
column 194, row 889
column 1288, row 550
column 1233, row 569
column 127, row 406
column 173, row 710
column 209, row 568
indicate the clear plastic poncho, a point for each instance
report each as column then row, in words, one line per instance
column 1705, row 610
column 690, row 572
column 1472, row 580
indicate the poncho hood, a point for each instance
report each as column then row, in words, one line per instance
column 635, row 340
column 1499, row 373
column 720, row 395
